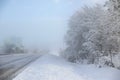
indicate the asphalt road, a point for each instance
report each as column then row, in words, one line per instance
column 11, row 65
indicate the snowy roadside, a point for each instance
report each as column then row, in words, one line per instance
column 50, row 67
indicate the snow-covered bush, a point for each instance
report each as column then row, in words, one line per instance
column 116, row 60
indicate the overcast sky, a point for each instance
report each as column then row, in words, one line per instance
column 38, row 22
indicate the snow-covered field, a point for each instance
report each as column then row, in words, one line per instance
column 50, row 67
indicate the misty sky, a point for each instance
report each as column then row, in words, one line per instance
column 38, row 22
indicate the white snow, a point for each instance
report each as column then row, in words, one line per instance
column 50, row 67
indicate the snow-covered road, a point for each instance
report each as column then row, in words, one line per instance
column 50, row 67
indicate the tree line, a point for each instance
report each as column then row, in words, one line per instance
column 93, row 36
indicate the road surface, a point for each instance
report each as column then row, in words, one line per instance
column 11, row 65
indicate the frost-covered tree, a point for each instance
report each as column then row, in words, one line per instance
column 93, row 34
column 113, row 6
column 83, row 29
column 113, row 31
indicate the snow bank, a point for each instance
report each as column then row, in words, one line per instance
column 50, row 67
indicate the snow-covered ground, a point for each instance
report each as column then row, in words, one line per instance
column 50, row 67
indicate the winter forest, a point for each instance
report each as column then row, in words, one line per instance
column 94, row 35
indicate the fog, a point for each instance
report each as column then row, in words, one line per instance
column 39, row 23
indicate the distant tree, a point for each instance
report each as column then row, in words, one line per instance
column 13, row 45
